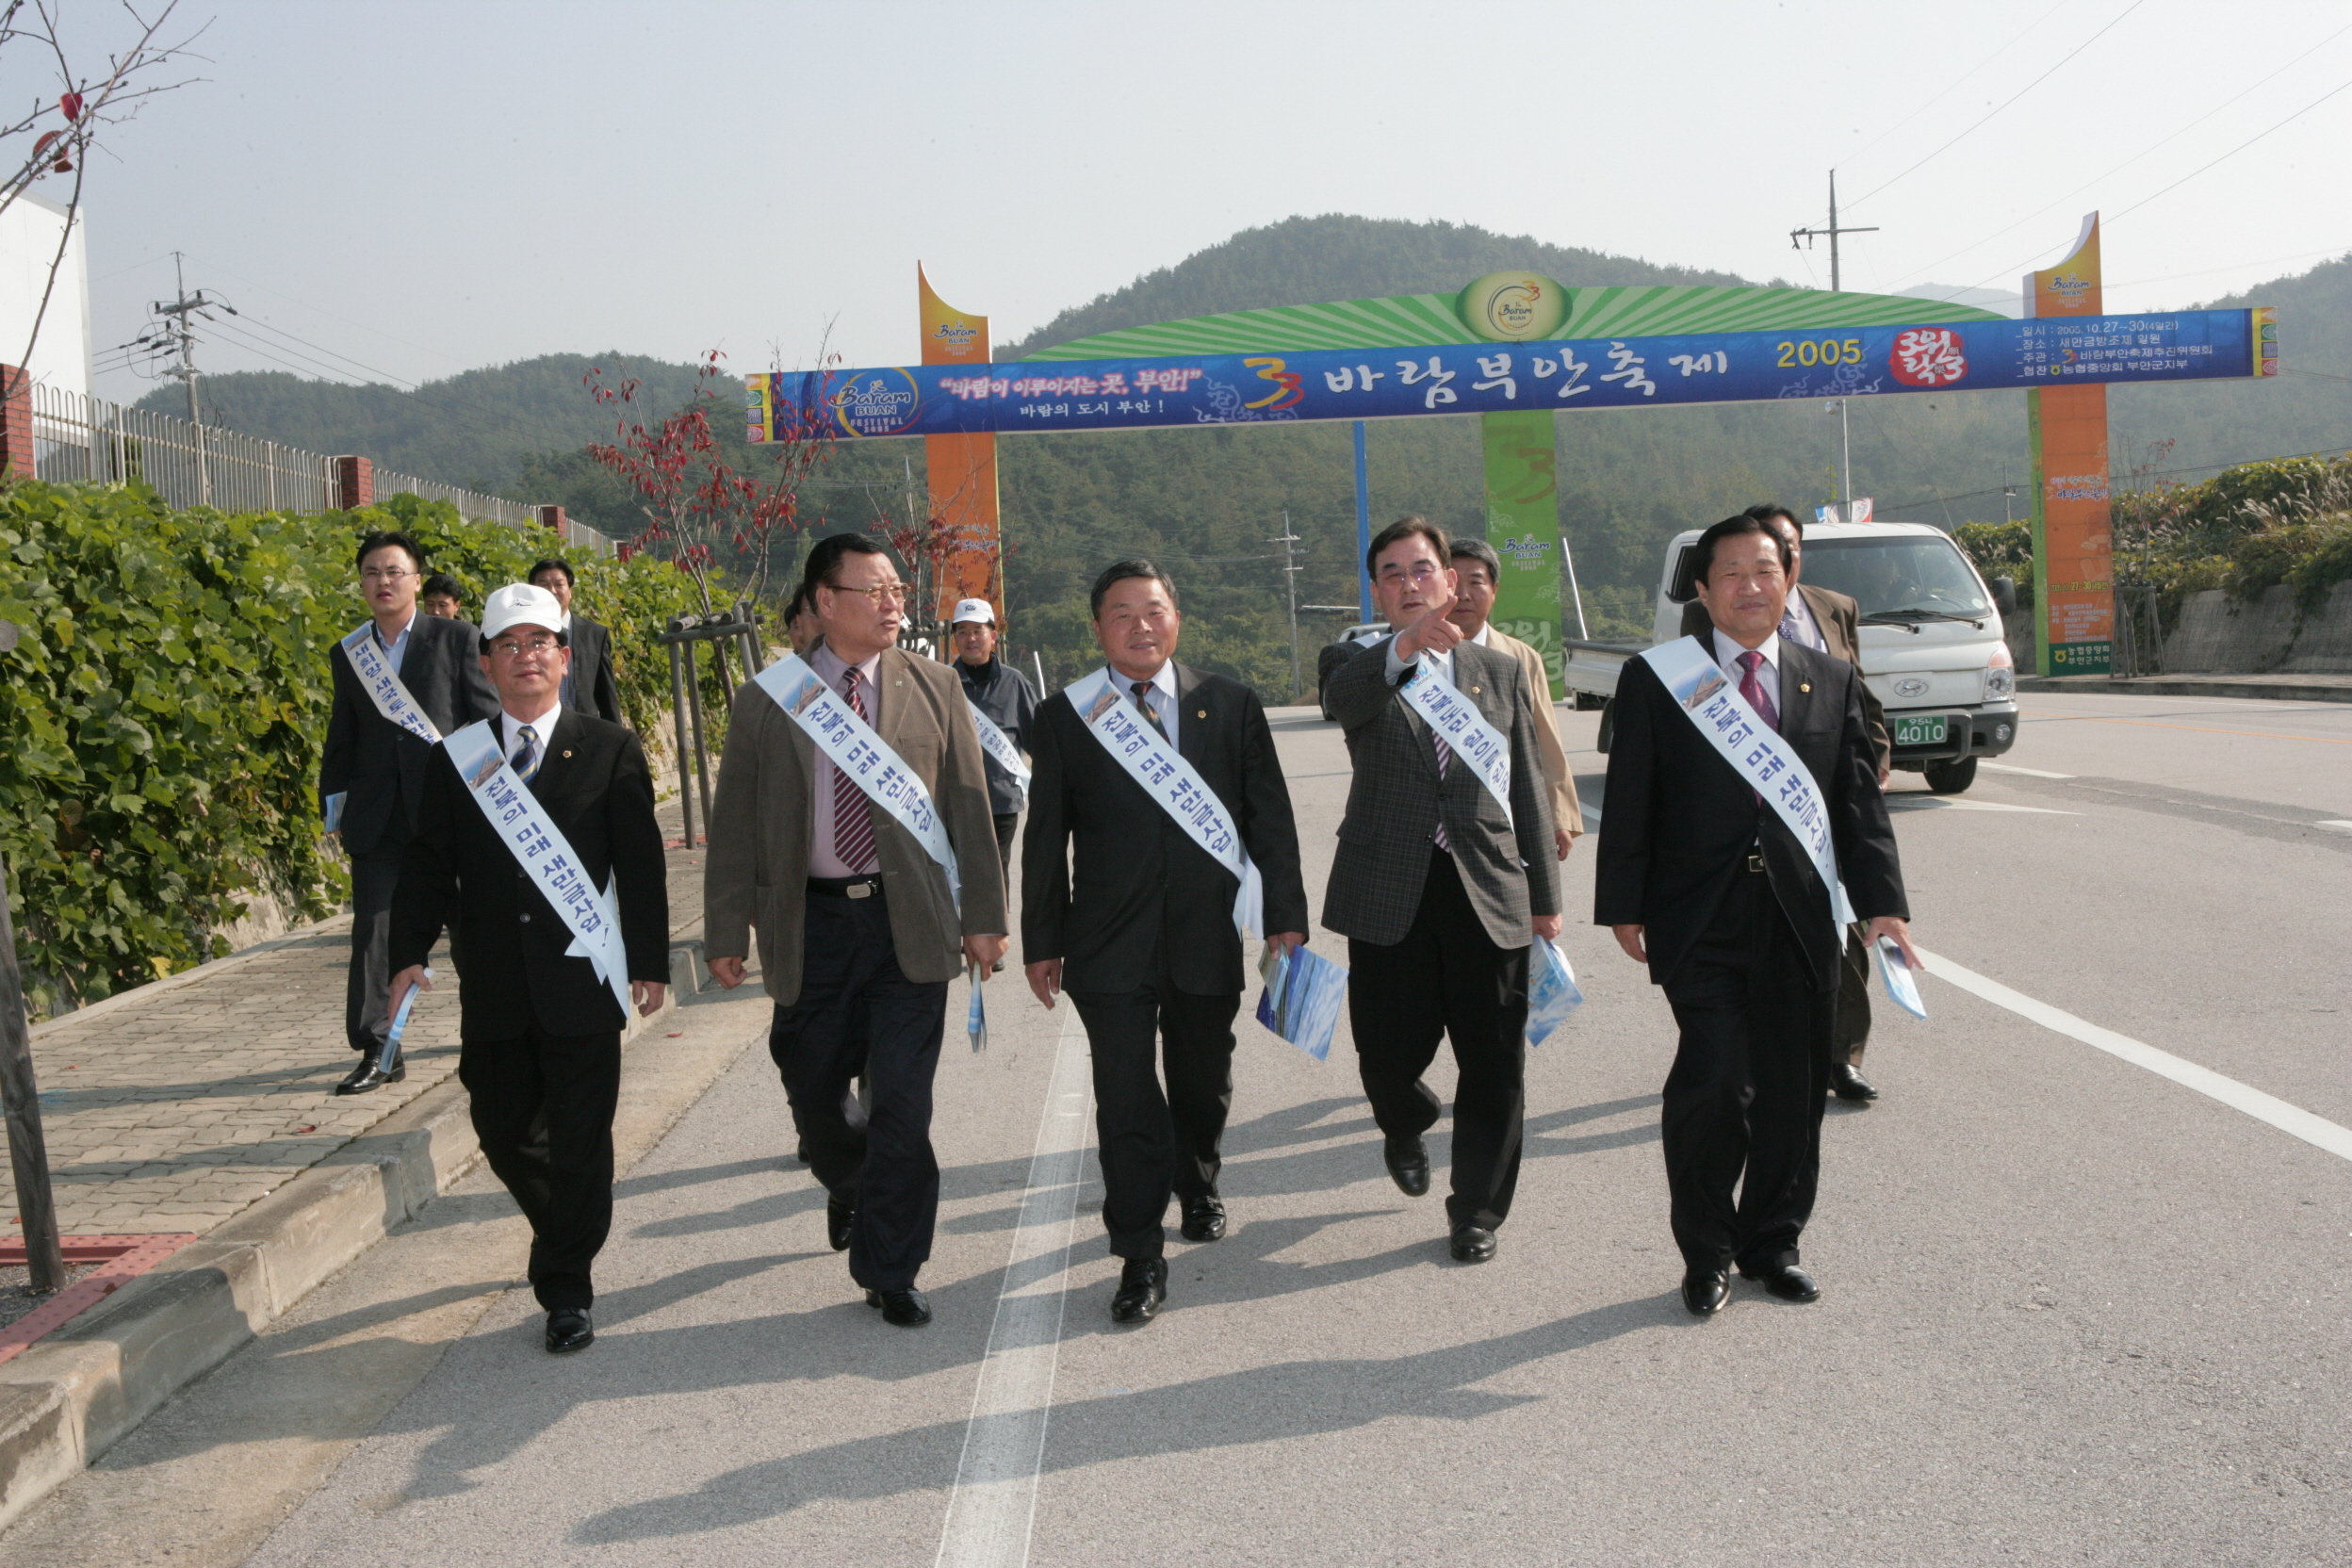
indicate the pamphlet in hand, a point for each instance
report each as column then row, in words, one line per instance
column 1300, row 1003
column 976, row 1015
column 1902, row 984
column 399, row 1020
column 1552, row 992
column 331, row 818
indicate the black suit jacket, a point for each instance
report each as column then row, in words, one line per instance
column 596, row 790
column 1140, row 880
column 1678, row 820
column 595, row 692
column 376, row 765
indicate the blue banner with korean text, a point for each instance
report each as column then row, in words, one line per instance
column 1483, row 378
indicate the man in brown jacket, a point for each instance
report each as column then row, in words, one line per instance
column 1828, row 621
column 1478, row 572
column 858, row 930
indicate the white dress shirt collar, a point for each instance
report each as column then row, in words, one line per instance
column 1485, row 630
column 830, row 667
column 1163, row 692
column 1727, row 652
column 542, row 728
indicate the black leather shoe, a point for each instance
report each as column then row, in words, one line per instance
column 839, row 1212
column 1849, row 1083
column 1204, row 1219
column 1142, row 1286
column 1407, row 1165
column 1472, row 1243
column 568, row 1330
column 1788, row 1282
column 369, row 1075
column 900, row 1309
column 1703, row 1291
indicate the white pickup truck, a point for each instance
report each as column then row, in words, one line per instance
column 1932, row 648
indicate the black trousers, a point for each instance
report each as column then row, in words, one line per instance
column 1155, row 1143
column 1744, row 1097
column 1448, row 979
column 542, row 1108
column 368, row 989
column 1854, row 1002
column 857, row 1012
column 1007, row 824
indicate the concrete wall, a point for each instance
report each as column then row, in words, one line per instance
column 2216, row 637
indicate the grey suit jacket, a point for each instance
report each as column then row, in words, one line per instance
column 1841, row 620
column 756, row 873
column 1396, row 800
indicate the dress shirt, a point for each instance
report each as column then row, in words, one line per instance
column 829, row 669
column 397, row 648
column 510, row 731
column 1727, row 654
column 1441, row 663
column 1161, row 694
column 1809, row 628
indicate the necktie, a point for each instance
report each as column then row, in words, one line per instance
column 853, row 814
column 1445, row 760
column 1753, row 688
column 1789, row 627
column 1143, row 700
column 526, row 759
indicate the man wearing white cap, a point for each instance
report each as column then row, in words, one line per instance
column 540, row 1029
column 998, row 694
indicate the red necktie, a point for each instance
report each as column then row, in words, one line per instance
column 853, row 814
column 1753, row 688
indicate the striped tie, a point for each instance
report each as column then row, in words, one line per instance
column 1143, row 700
column 853, row 814
column 526, row 759
column 1445, row 760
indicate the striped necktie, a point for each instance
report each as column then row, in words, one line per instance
column 526, row 759
column 853, row 814
column 1143, row 700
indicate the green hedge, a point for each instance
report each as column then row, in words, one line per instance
column 166, row 705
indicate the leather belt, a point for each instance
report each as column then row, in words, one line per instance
column 845, row 887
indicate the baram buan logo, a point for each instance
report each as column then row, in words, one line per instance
column 958, row 335
column 878, row 402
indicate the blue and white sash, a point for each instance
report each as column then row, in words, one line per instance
column 1456, row 720
column 538, row 846
column 1135, row 744
column 1771, row 767
column 381, row 683
column 1000, row 745
column 851, row 746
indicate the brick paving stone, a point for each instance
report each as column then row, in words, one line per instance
column 178, row 1112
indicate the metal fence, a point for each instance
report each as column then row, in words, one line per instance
column 191, row 465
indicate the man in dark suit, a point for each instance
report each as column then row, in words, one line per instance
column 589, row 686
column 1438, row 891
column 1828, row 621
column 379, row 770
column 539, row 1031
column 1142, row 939
column 1701, row 880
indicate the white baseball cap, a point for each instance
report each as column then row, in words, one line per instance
column 519, row 604
column 974, row 610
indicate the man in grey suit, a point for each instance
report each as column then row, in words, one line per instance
column 1438, row 891
column 589, row 686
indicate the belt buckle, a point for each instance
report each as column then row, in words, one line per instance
column 860, row 890
column 1756, row 859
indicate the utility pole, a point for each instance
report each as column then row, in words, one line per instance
column 180, row 328
column 1836, row 281
column 1290, row 577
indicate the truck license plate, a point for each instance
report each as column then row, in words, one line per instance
column 1925, row 729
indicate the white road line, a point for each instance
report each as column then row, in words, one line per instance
column 2336, row 823
column 2030, row 772
column 2316, row 1131
column 1945, row 803
column 995, row 1498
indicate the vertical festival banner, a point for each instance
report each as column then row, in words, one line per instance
column 1522, row 524
column 961, row 469
column 2074, row 593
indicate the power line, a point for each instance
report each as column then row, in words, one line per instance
column 1956, row 81
column 2004, row 103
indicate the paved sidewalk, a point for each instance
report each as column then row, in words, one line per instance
column 176, row 1106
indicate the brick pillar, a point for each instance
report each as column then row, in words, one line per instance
column 552, row 517
column 354, row 482
column 16, row 424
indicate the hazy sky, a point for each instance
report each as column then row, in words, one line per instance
column 425, row 187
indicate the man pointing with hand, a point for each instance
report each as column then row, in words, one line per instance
column 1438, row 885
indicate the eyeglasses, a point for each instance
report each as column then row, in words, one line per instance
column 881, row 594
column 511, row 647
column 384, row 574
column 1421, row 571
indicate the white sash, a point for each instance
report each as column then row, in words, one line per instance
column 1456, row 720
column 850, row 742
column 1000, row 745
column 1771, row 767
column 538, row 846
column 382, row 684
column 1114, row 720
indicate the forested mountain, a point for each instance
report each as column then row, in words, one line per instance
column 1207, row 502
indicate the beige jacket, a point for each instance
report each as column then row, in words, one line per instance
column 1566, row 811
column 757, row 872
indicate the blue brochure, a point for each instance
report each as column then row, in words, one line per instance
column 1552, row 992
column 976, row 1015
column 1300, row 1003
column 1901, row 983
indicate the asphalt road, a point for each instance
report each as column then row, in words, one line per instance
column 2074, row 1311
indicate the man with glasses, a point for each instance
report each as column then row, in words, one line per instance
column 371, row 775
column 858, row 930
column 1439, row 890
column 540, row 1029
